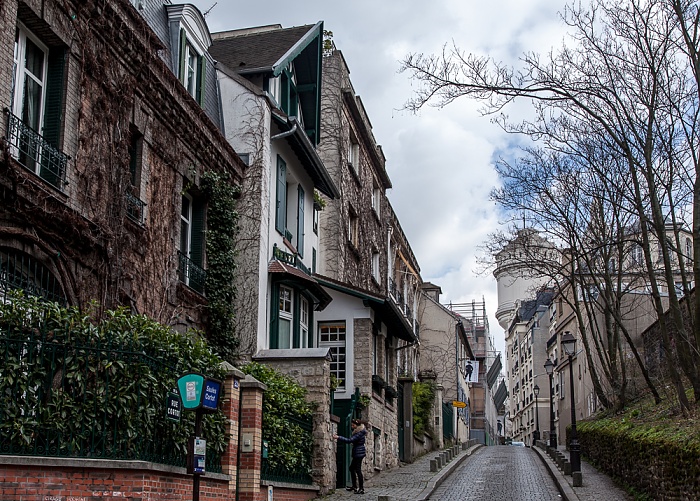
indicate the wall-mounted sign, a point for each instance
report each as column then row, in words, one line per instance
column 471, row 371
column 173, row 407
column 457, row 403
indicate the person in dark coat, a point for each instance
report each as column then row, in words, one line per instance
column 358, row 454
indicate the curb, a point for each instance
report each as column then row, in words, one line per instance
column 563, row 485
column 438, row 479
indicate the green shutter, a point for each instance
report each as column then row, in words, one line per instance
column 54, row 96
column 51, row 170
column 281, row 217
column 274, row 317
column 300, row 222
column 197, row 238
column 201, row 80
column 183, row 45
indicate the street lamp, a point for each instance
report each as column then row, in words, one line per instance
column 549, row 367
column 568, row 342
column 536, row 435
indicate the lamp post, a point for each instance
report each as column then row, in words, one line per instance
column 568, row 342
column 536, row 435
column 549, row 367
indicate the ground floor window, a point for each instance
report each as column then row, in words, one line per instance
column 291, row 317
column 332, row 335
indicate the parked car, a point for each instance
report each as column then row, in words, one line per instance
column 518, row 444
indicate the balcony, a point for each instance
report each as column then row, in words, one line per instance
column 30, row 149
column 190, row 273
column 135, row 208
column 290, row 259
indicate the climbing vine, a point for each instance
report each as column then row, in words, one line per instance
column 222, row 228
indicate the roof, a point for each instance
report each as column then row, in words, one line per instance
column 299, row 278
column 260, row 51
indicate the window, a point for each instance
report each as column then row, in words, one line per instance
column 375, row 267
column 637, row 254
column 332, row 335
column 191, row 254
column 376, row 198
column 317, row 214
column 286, row 316
column 300, row 221
column 192, row 67
column 304, row 322
column 20, row 271
column 291, row 318
column 313, row 260
column 34, row 126
column 354, row 156
column 134, row 205
column 353, row 228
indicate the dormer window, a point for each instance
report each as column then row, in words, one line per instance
column 192, row 68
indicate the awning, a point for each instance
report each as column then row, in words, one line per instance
column 296, row 277
column 494, row 371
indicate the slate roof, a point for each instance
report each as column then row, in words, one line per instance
column 256, row 52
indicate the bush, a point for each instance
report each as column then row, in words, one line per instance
column 74, row 386
column 288, row 443
column 423, row 401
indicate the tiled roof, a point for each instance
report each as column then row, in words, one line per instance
column 256, row 51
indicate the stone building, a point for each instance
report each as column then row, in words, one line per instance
column 106, row 152
column 444, row 350
column 372, row 275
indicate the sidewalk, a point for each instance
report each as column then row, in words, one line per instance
column 596, row 485
column 408, row 482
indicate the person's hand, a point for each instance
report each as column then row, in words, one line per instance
column 335, row 437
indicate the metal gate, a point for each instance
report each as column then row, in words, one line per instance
column 400, row 419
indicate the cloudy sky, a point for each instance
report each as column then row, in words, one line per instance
column 440, row 161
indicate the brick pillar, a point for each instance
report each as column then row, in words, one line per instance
column 230, row 407
column 251, row 440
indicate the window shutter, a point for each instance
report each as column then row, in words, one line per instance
column 53, row 113
column 274, row 317
column 183, row 46
column 54, row 96
column 281, row 218
column 300, row 222
column 201, row 79
column 295, row 322
column 197, row 242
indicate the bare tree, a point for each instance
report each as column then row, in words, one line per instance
column 623, row 83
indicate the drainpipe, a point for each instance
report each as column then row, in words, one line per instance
column 285, row 134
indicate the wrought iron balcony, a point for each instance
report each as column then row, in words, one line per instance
column 190, row 273
column 135, row 208
column 30, row 149
column 290, row 259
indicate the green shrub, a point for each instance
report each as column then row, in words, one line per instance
column 423, row 401
column 288, row 443
column 73, row 386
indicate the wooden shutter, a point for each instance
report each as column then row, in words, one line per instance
column 51, row 168
column 201, row 80
column 281, row 217
column 274, row 317
column 300, row 222
column 197, row 236
column 183, row 47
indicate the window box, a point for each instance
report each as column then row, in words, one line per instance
column 378, row 383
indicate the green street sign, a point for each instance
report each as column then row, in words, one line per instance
column 190, row 388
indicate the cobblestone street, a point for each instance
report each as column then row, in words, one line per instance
column 499, row 472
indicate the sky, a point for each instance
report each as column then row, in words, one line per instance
column 440, row 161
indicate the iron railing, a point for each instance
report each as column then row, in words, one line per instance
column 19, row 271
column 190, row 273
column 290, row 259
column 30, row 149
column 282, row 472
column 135, row 208
column 96, row 400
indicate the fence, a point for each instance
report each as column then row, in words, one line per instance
column 278, row 470
column 87, row 400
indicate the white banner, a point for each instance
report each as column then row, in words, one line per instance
column 471, row 371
